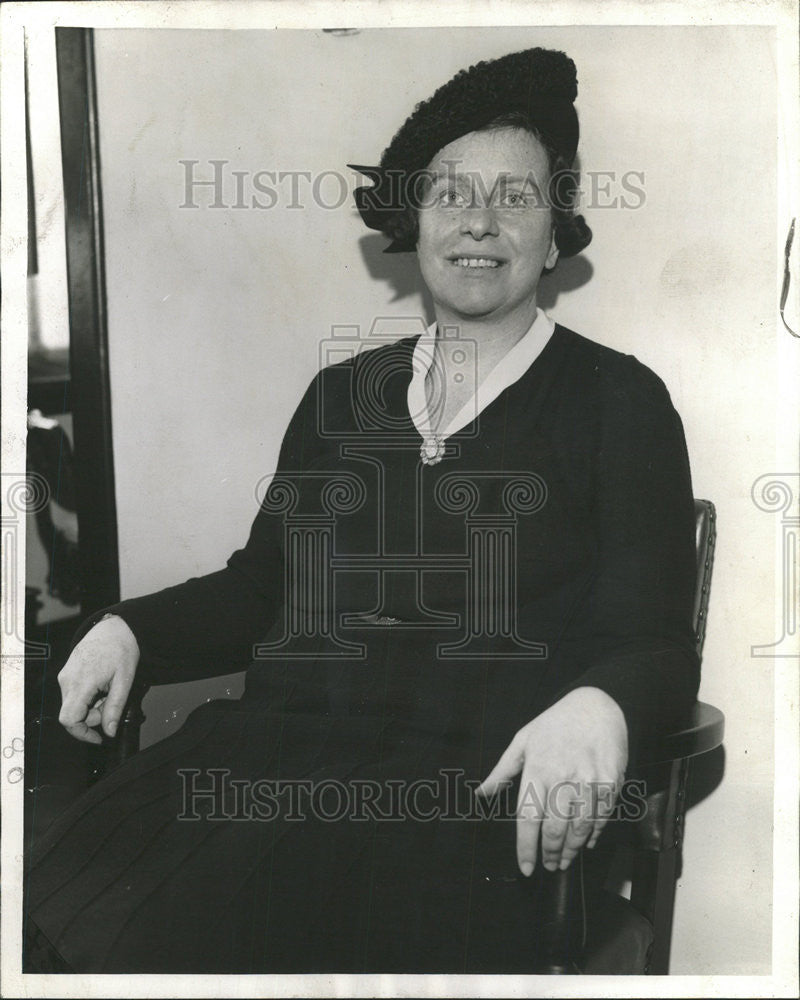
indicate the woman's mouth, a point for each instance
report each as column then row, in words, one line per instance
column 474, row 262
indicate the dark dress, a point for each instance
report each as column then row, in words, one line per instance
column 401, row 622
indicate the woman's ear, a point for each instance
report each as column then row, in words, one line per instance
column 552, row 254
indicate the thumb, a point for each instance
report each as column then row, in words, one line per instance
column 508, row 767
column 115, row 702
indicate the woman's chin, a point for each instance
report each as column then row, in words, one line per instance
column 474, row 303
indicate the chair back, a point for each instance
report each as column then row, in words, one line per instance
column 705, row 527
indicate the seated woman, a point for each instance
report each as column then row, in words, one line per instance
column 473, row 571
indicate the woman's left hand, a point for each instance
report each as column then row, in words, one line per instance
column 572, row 758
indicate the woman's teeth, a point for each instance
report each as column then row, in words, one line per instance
column 476, row 262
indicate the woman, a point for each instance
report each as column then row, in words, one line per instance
column 475, row 562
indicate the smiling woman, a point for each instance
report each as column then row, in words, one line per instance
column 473, row 571
column 482, row 257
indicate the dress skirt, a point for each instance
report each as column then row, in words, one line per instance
column 298, row 841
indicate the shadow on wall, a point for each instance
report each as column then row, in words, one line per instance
column 570, row 273
column 397, row 271
column 705, row 776
column 400, row 273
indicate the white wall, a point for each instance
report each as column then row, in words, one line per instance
column 215, row 316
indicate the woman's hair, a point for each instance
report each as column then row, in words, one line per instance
column 572, row 234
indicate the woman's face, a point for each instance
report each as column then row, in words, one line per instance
column 485, row 230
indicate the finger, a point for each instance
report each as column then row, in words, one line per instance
column 507, row 768
column 75, row 707
column 598, row 828
column 115, row 702
column 580, row 825
column 82, row 732
column 600, row 824
column 93, row 717
column 554, row 830
column 560, row 810
column 579, row 830
column 530, row 814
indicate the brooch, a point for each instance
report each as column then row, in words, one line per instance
column 431, row 450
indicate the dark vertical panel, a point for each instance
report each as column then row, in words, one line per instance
column 91, row 397
column 33, row 263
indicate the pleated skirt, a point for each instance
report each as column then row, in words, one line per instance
column 255, row 841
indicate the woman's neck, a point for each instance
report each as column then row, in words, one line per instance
column 493, row 339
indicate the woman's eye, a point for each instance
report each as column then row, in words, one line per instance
column 451, row 198
column 514, row 199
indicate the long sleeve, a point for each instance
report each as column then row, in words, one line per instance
column 208, row 625
column 635, row 632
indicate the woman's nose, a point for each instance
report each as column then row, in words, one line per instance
column 479, row 222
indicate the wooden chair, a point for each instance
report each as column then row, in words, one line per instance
column 616, row 935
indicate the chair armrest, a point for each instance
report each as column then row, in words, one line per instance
column 665, row 772
column 703, row 732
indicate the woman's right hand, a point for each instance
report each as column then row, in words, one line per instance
column 96, row 679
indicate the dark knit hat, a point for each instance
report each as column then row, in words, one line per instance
column 539, row 84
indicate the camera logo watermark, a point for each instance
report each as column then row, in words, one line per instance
column 369, row 447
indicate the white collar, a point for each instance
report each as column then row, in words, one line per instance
column 507, row 371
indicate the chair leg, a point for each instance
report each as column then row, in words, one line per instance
column 667, row 868
column 654, row 886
